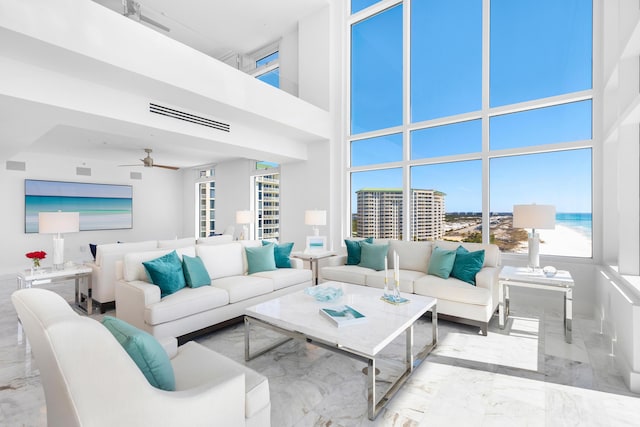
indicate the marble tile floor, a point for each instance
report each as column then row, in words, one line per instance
column 525, row 375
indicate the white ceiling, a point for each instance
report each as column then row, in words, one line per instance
column 221, row 27
column 216, row 28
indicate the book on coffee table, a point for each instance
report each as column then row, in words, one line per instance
column 343, row 315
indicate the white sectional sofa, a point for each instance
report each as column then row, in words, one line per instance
column 103, row 276
column 189, row 310
column 457, row 300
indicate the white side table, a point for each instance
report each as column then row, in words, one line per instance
column 313, row 258
column 29, row 278
column 536, row 279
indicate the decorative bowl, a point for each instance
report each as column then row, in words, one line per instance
column 323, row 294
column 549, row 271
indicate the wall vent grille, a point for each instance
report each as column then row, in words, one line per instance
column 188, row 117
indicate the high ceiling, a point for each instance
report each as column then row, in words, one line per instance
column 214, row 27
column 221, row 27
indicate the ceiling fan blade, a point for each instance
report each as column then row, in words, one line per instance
column 129, row 165
column 174, row 168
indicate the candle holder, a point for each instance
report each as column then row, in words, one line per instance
column 386, row 287
column 396, row 290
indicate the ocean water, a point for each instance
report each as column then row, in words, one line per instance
column 96, row 213
column 580, row 222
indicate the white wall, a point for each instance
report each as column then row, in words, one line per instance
column 156, row 212
column 289, row 62
column 315, row 58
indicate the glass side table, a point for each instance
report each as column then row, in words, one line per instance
column 536, row 279
column 78, row 273
column 313, row 258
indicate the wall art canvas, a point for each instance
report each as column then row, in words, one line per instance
column 101, row 206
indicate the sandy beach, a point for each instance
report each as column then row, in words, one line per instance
column 564, row 240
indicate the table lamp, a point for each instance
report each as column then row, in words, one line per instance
column 315, row 218
column 57, row 223
column 534, row 216
column 244, row 218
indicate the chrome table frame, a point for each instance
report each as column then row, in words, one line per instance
column 374, row 405
column 561, row 282
column 27, row 279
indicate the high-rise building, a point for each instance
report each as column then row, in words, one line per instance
column 267, row 199
column 380, row 213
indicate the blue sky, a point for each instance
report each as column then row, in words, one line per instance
column 539, row 48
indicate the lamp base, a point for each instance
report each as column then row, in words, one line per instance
column 534, row 251
column 58, row 253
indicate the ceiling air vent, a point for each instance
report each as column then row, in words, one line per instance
column 187, row 117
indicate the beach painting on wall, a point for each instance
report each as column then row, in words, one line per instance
column 101, row 206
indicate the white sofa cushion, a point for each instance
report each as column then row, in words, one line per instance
column 375, row 279
column 215, row 240
column 413, row 255
column 222, row 260
column 197, row 365
column 123, row 248
column 452, row 289
column 346, row 273
column 243, row 287
column 184, row 303
column 133, row 269
column 285, row 277
column 177, row 243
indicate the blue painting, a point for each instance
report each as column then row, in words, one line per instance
column 101, row 206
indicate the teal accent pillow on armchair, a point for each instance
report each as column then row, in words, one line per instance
column 166, row 273
column 145, row 350
column 441, row 262
column 372, row 255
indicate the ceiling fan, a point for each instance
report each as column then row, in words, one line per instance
column 147, row 162
column 133, row 10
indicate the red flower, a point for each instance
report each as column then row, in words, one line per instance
column 37, row 255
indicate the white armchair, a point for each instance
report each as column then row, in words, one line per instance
column 89, row 379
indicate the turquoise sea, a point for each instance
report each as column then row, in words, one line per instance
column 580, row 222
column 96, row 213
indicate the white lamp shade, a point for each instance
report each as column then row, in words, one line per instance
column 244, row 217
column 534, row 216
column 315, row 217
column 58, row 222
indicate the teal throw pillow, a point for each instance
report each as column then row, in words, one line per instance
column 166, row 272
column 261, row 258
column 353, row 250
column 467, row 264
column 372, row 255
column 145, row 350
column 195, row 273
column 441, row 262
column 281, row 252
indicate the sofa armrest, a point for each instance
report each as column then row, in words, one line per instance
column 488, row 278
column 334, row 261
column 170, row 345
column 131, row 300
column 297, row 263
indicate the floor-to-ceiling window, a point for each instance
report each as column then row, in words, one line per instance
column 266, row 200
column 460, row 109
column 206, row 187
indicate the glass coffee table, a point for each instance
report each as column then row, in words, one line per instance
column 296, row 315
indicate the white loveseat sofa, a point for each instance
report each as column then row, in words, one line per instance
column 189, row 310
column 89, row 379
column 103, row 276
column 457, row 300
